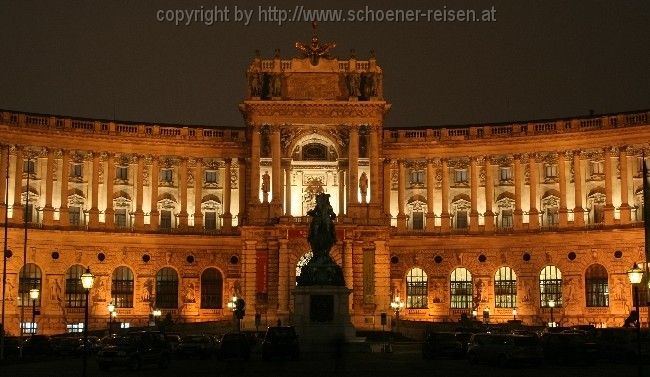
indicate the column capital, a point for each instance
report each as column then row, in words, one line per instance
column 227, row 160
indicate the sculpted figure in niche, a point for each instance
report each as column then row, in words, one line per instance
column 276, row 85
column 363, row 186
column 55, row 290
column 369, row 87
column 266, row 186
column 190, row 296
column 353, row 81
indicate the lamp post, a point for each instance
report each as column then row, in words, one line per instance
column 397, row 305
column 551, row 304
column 33, row 294
column 635, row 274
column 474, row 315
column 232, row 305
column 87, row 281
column 486, row 315
column 156, row 313
column 514, row 314
column 111, row 313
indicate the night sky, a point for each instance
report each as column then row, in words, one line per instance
column 114, row 60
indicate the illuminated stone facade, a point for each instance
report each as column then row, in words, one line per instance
column 433, row 216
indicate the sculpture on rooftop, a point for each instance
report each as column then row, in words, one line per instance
column 315, row 50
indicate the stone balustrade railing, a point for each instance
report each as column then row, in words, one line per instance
column 518, row 129
column 120, row 129
column 344, row 65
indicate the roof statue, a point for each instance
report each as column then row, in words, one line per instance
column 315, row 50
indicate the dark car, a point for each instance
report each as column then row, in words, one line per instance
column 280, row 341
column 67, row 346
column 504, row 349
column 37, row 346
column 134, row 350
column 234, row 345
column 569, row 346
column 202, row 346
column 448, row 344
column 174, row 340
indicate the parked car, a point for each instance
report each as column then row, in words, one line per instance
column 202, row 346
column 280, row 341
column 569, row 346
column 620, row 344
column 37, row 346
column 134, row 350
column 174, row 340
column 504, row 349
column 234, row 345
column 450, row 344
column 67, row 346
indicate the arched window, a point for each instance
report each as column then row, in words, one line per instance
column 505, row 288
column 416, row 289
column 550, row 286
column 167, row 289
column 597, row 290
column 211, row 289
column 30, row 278
column 461, row 289
column 122, row 287
column 74, row 291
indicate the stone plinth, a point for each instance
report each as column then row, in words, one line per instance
column 321, row 317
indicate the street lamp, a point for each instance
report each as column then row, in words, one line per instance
column 33, row 294
column 232, row 305
column 111, row 313
column 486, row 315
column 551, row 304
column 514, row 314
column 87, row 281
column 156, row 313
column 397, row 305
column 474, row 314
column 635, row 274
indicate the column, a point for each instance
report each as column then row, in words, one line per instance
column 255, row 164
column 533, row 213
column 283, row 277
column 182, row 188
column 139, row 186
column 578, row 211
column 287, row 189
column 386, row 187
column 64, row 214
column 276, row 159
column 473, row 214
column 18, row 210
column 198, row 195
column 401, row 216
column 445, row 220
column 626, row 211
column 4, row 165
column 518, row 213
column 249, row 266
column 561, row 167
column 374, row 165
column 154, row 215
column 341, row 191
column 109, row 177
column 93, row 221
column 227, row 191
column 609, row 207
column 353, row 166
column 431, row 179
column 48, row 210
column 243, row 198
column 489, row 194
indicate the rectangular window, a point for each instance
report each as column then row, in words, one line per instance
column 210, row 176
column 418, row 220
column 552, row 217
column 597, row 167
column 461, row 294
column 505, row 293
column 417, row 177
column 74, row 327
column 28, row 166
column 599, row 214
column 165, row 219
column 597, row 292
column 460, row 175
column 550, row 171
column 122, row 173
column 505, row 174
column 461, row 220
column 416, row 294
column 166, row 175
column 506, row 219
column 76, row 171
column 120, row 218
column 74, row 216
column 210, row 220
column 125, row 325
column 29, row 327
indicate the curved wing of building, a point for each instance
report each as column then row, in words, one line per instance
column 450, row 220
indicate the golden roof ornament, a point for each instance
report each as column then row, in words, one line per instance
column 315, row 50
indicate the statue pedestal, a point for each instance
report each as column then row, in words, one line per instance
column 321, row 317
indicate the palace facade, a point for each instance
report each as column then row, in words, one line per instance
column 449, row 220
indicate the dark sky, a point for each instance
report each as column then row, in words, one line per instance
column 540, row 59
